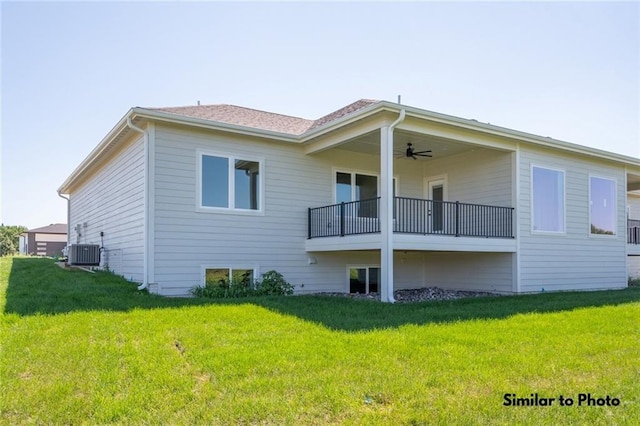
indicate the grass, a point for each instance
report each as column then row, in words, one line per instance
column 81, row 348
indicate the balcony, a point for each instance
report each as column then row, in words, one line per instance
column 412, row 216
column 633, row 231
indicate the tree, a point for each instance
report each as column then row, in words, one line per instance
column 9, row 237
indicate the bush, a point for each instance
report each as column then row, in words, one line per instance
column 271, row 284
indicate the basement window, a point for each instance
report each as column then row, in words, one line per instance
column 364, row 279
column 214, row 276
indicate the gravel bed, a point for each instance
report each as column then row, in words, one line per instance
column 419, row 295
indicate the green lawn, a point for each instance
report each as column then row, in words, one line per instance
column 80, row 348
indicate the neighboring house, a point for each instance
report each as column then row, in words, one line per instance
column 340, row 204
column 44, row 241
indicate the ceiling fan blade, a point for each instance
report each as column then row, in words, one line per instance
column 422, row 152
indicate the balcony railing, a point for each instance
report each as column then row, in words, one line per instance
column 412, row 216
column 633, row 231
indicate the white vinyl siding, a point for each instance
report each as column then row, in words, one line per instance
column 293, row 182
column 572, row 260
column 634, row 267
column 478, row 177
column 186, row 238
column 633, row 205
column 112, row 202
column 492, row 272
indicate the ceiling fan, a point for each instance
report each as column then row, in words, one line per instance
column 412, row 153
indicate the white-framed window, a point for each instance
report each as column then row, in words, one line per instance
column 363, row 278
column 214, row 275
column 230, row 183
column 354, row 186
column 548, row 199
column 351, row 186
column 603, row 211
column 357, row 185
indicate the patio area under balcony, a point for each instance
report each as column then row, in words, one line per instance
column 418, row 224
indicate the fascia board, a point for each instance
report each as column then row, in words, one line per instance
column 95, row 153
column 343, row 121
column 512, row 134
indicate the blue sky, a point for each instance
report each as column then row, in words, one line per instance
column 70, row 71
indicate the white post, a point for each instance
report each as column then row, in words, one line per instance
column 386, row 215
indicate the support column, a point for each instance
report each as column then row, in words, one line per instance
column 386, row 215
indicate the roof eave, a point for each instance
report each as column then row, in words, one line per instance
column 136, row 112
column 213, row 125
column 367, row 111
column 509, row 133
column 95, row 153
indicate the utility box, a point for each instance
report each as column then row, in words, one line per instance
column 84, row 254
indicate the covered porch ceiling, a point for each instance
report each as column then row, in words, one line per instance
column 633, row 182
column 369, row 143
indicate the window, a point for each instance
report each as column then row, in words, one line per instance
column 365, row 279
column 230, row 183
column 222, row 275
column 547, row 200
column 602, row 203
column 351, row 186
column 355, row 187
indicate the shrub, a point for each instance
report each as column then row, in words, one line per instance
column 271, row 284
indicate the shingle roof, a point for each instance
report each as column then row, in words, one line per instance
column 357, row 105
column 241, row 116
column 54, row 228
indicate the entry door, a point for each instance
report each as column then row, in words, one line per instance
column 435, row 212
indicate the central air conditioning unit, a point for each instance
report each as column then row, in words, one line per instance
column 84, row 254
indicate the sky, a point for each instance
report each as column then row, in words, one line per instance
column 70, row 71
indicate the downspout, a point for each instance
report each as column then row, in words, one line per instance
column 68, row 218
column 389, row 205
column 145, row 281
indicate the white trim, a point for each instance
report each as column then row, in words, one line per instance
column 429, row 182
column 518, row 208
column 150, row 202
column 366, row 266
column 231, row 193
column 627, row 209
column 436, row 178
column 615, row 205
column 230, row 267
column 564, row 201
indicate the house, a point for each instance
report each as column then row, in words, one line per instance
column 373, row 197
column 44, row 241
